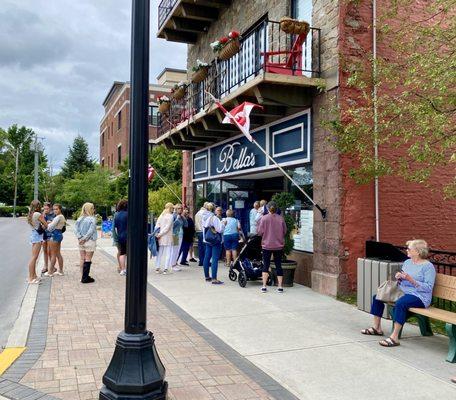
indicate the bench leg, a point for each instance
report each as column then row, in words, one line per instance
column 451, row 331
column 425, row 325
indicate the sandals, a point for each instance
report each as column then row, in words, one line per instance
column 372, row 332
column 35, row 281
column 389, row 343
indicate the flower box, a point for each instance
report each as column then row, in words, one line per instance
column 228, row 46
column 294, row 26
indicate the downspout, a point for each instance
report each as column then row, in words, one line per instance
column 374, row 95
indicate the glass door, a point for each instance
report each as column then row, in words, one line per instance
column 302, row 10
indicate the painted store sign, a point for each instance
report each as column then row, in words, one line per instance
column 288, row 141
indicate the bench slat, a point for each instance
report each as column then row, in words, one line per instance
column 436, row 313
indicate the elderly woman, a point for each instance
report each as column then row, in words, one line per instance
column 165, row 239
column 416, row 280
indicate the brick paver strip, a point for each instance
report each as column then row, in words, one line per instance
column 82, row 328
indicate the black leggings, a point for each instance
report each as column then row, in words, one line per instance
column 277, row 260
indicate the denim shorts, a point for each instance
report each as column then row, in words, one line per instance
column 35, row 237
column 56, row 235
column 231, row 241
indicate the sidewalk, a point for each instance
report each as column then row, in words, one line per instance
column 311, row 343
column 83, row 324
column 222, row 342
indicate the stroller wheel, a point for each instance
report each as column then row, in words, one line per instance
column 270, row 280
column 232, row 275
column 242, row 279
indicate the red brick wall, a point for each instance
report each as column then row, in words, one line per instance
column 113, row 136
column 406, row 210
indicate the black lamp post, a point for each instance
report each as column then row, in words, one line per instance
column 135, row 371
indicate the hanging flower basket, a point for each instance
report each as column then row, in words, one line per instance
column 179, row 90
column 164, row 108
column 227, row 47
column 230, row 50
column 164, row 104
column 293, row 26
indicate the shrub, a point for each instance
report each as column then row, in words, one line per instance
column 7, row 211
column 285, row 200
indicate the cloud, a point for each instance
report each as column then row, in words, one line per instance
column 58, row 60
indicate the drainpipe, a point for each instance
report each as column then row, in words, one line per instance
column 374, row 94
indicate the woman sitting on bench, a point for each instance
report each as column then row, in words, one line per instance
column 416, row 280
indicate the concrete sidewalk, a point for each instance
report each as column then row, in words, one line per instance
column 311, row 343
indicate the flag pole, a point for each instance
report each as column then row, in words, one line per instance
column 323, row 211
column 168, row 187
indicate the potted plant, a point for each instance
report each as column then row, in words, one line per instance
column 179, row 90
column 164, row 104
column 285, row 200
column 200, row 71
column 227, row 46
column 294, row 26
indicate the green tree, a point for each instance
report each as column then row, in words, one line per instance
column 91, row 186
column 168, row 163
column 78, row 160
column 158, row 198
column 405, row 99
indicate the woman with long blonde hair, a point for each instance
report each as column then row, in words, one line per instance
column 38, row 224
column 86, row 232
column 165, row 239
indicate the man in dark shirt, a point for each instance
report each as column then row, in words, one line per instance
column 120, row 225
column 187, row 240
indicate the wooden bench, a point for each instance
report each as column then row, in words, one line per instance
column 444, row 288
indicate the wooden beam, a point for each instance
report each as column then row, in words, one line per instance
column 192, row 139
column 202, row 13
column 176, row 144
column 277, row 95
column 214, row 3
column 197, row 130
column 189, row 25
column 213, row 125
column 178, row 36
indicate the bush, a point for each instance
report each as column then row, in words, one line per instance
column 158, row 198
column 7, row 211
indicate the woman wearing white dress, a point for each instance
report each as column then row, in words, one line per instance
column 165, row 239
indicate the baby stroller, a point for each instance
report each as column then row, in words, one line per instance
column 249, row 263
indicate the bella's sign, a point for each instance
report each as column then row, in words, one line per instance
column 234, row 157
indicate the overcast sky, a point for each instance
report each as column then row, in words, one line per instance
column 58, row 59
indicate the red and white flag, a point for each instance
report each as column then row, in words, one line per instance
column 150, row 173
column 240, row 116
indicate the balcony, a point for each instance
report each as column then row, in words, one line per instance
column 277, row 70
column 182, row 20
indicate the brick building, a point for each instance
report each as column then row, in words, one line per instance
column 287, row 86
column 115, row 124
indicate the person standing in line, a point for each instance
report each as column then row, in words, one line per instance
column 231, row 236
column 48, row 216
column 272, row 229
column 164, row 226
column 115, row 242
column 213, row 250
column 85, row 230
column 187, row 238
column 219, row 213
column 179, row 222
column 253, row 216
column 120, row 226
column 56, row 229
column 199, row 234
column 38, row 224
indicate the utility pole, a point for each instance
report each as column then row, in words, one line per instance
column 15, row 182
column 36, row 148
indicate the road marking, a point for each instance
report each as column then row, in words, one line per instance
column 8, row 356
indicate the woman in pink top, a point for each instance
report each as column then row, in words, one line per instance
column 272, row 230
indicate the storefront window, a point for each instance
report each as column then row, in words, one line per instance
column 199, row 196
column 213, row 191
column 302, row 211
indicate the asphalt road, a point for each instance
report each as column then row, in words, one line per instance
column 15, row 251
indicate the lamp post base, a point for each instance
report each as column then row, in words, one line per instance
column 136, row 371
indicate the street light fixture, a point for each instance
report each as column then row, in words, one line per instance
column 136, row 371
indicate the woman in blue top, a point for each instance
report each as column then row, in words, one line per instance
column 120, row 227
column 416, row 280
column 231, row 236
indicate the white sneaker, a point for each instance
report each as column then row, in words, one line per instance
column 123, row 273
column 165, row 272
column 157, row 270
column 48, row 274
column 176, row 268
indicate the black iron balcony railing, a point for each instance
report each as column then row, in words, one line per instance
column 164, row 9
column 264, row 48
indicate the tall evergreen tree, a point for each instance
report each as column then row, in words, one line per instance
column 78, row 159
